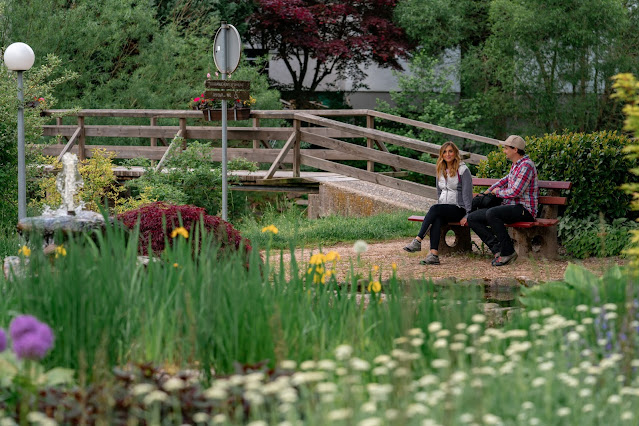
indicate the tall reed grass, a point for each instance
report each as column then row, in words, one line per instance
column 195, row 306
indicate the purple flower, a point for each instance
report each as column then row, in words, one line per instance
column 31, row 338
column 22, row 325
column 3, row 340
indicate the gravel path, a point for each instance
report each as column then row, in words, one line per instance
column 461, row 267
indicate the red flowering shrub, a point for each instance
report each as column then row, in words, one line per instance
column 159, row 219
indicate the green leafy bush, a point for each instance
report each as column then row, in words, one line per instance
column 593, row 162
column 593, row 236
column 189, row 177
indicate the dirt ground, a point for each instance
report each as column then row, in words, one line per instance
column 469, row 266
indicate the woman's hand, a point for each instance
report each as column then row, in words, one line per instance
column 463, row 221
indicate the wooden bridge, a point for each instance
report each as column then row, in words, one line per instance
column 318, row 127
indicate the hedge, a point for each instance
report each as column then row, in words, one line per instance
column 593, row 162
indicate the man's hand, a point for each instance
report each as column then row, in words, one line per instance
column 463, row 222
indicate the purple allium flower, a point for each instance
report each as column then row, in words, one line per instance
column 31, row 338
column 21, row 325
column 3, row 340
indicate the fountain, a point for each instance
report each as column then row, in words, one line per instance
column 68, row 220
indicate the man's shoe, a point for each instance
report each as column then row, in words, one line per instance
column 505, row 260
column 495, row 257
column 431, row 259
column 414, row 246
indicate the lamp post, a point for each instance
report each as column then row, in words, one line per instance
column 20, row 57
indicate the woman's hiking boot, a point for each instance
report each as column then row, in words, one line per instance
column 414, row 246
column 431, row 259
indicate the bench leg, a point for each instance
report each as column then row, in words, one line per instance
column 538, row 241
column 461, row 242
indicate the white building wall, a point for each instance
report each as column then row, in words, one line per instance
column 379, row 81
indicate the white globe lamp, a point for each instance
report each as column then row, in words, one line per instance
column 19, row 57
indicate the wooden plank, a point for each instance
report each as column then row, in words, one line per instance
column 270, row 188
column 546, row 184
column 167, row 152
column 228, row 84
column 549, row 200
column 155, row 153
column 140, row 113
column 179, row 113
column 194, row 132
column 537, row 222
column 390, row 182
column 297, row 160
column 382, row 136
column 300, row 181
column 435, row 128
column 69, row 144
column 372, row 154
column 82, row 155
column 287, row 147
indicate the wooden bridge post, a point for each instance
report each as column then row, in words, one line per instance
column 256, row 142
column 297, row 158
column 154, row 122
column 81, row 139
column 370, row 124
column 183, row 131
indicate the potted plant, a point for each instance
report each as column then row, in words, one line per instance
column 212, row 108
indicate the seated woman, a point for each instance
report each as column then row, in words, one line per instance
column 455, row 196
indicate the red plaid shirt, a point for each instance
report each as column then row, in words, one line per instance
column 520, row 186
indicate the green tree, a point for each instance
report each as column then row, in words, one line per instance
column 556, row 58
column 128, row 53
column 441, row 25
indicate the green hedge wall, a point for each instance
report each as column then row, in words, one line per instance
column 593, row 162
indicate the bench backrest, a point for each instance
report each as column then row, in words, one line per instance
column 553, row 186
column 549, row 203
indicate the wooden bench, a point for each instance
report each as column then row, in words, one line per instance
column 538, row 238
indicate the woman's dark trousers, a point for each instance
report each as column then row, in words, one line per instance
column 436, row 216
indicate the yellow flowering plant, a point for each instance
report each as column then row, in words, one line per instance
column 271, row 228
column 626, row 89
column 180, row 231
column 318, row 270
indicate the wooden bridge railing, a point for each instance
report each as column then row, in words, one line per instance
column 323, row 131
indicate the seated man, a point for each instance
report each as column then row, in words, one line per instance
column 519, row 191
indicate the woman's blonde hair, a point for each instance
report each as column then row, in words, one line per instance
column 441, row 163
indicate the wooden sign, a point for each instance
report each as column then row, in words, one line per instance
column 227, row 95
column 228, row 84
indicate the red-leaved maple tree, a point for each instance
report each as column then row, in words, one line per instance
column 338, row 36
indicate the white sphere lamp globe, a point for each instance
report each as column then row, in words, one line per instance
column 19, row 57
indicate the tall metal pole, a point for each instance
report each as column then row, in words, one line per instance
column 22, row 174
column 224, row 129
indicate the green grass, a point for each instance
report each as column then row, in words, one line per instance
column 295, row 226
column 442, row 359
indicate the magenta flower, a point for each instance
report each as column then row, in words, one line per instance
column 196, row 99
column 31, row 338
column 3, row 340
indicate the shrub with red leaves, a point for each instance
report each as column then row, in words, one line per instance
column 157, row 221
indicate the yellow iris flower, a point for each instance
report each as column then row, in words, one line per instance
column 180, row 231
column 271, row 228
column 374, row 286
column 60, row 251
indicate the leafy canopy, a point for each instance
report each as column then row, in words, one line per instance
column 318, row 38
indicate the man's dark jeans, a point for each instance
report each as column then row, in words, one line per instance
column 490, row 225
